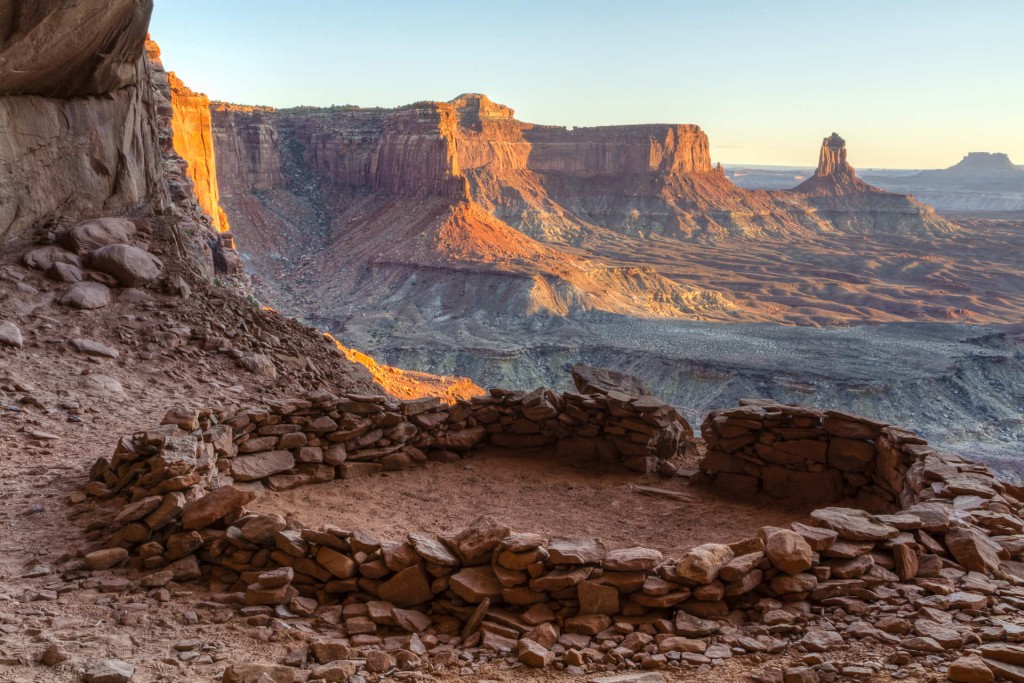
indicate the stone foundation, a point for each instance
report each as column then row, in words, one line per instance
column 175, row 495
column 800, row 454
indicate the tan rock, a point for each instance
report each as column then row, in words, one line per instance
column 105, row 559
column 473, row 545
column 970, row 669
column 215, row 505
column 632, row 559
column 576, row 551
column 534, row 654
column 407, row 588
column 130, row 265
column 853, row 525
column 787, row 550
column 337, row 563
column 253, row 467
column 973, row 549
column 473, row 584
column 702, row 564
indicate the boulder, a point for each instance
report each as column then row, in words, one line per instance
column 473, row 584
column 474, row 544
column 96, row 233
column 252, row 467
column 701, row 564
column 407, row 588
column 576, row 551
column 87, row 296
column 590, row 380
column 974, row 550
column 534, row 654
column 216, row 504
column 10, row 335
column 259, row 364
column 632, row 559
column 853, row 525
column 91, row 347
column 787, row 550
column 258, row 673
column 44, row 258
column 130, row 265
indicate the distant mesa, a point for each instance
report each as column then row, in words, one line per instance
column 980, row 182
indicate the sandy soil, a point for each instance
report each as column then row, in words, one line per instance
column 532, row 492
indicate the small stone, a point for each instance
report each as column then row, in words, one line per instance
column 970, row 669
column 105, row 559
column 10, row 335
column 91, row 347
column 109, row 671
column 378, row 661
column 534, row 654
column 53, row 655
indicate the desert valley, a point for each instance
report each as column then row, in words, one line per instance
column 433, row 393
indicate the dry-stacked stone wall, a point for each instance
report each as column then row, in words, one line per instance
column 800, row 454
column 175, row 496
column 292, row 443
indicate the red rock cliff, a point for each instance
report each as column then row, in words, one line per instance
column 193, row 141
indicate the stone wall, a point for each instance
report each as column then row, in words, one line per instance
column 174, row 500
column 809, row 456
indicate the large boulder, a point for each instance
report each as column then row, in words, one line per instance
column 87, row 296
column 130, row 265
column 86, row 236
column 44, row 258
column 590, row 380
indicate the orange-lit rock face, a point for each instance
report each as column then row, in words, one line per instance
column 193, row 141
column 408, row 384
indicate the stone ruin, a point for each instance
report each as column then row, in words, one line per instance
column 930, row 529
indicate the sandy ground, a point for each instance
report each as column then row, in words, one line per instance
column 532, row 492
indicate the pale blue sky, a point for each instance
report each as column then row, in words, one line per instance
column 909, row 84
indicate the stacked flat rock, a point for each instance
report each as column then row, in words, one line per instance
column 805, row 455
column 175, row 495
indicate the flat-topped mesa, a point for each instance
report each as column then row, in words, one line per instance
column 610, row 150
column 832, row 160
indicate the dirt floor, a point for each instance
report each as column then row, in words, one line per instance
column 533, row 492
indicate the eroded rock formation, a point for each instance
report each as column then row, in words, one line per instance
column 77, row 110
column 850, row 204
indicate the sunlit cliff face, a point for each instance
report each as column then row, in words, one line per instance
column 406, row 384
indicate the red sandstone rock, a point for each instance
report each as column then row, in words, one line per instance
column 213, row 506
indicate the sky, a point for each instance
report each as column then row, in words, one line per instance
column 908, row 83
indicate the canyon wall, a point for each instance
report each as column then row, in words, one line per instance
column 79, row 113
column 193, row 141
